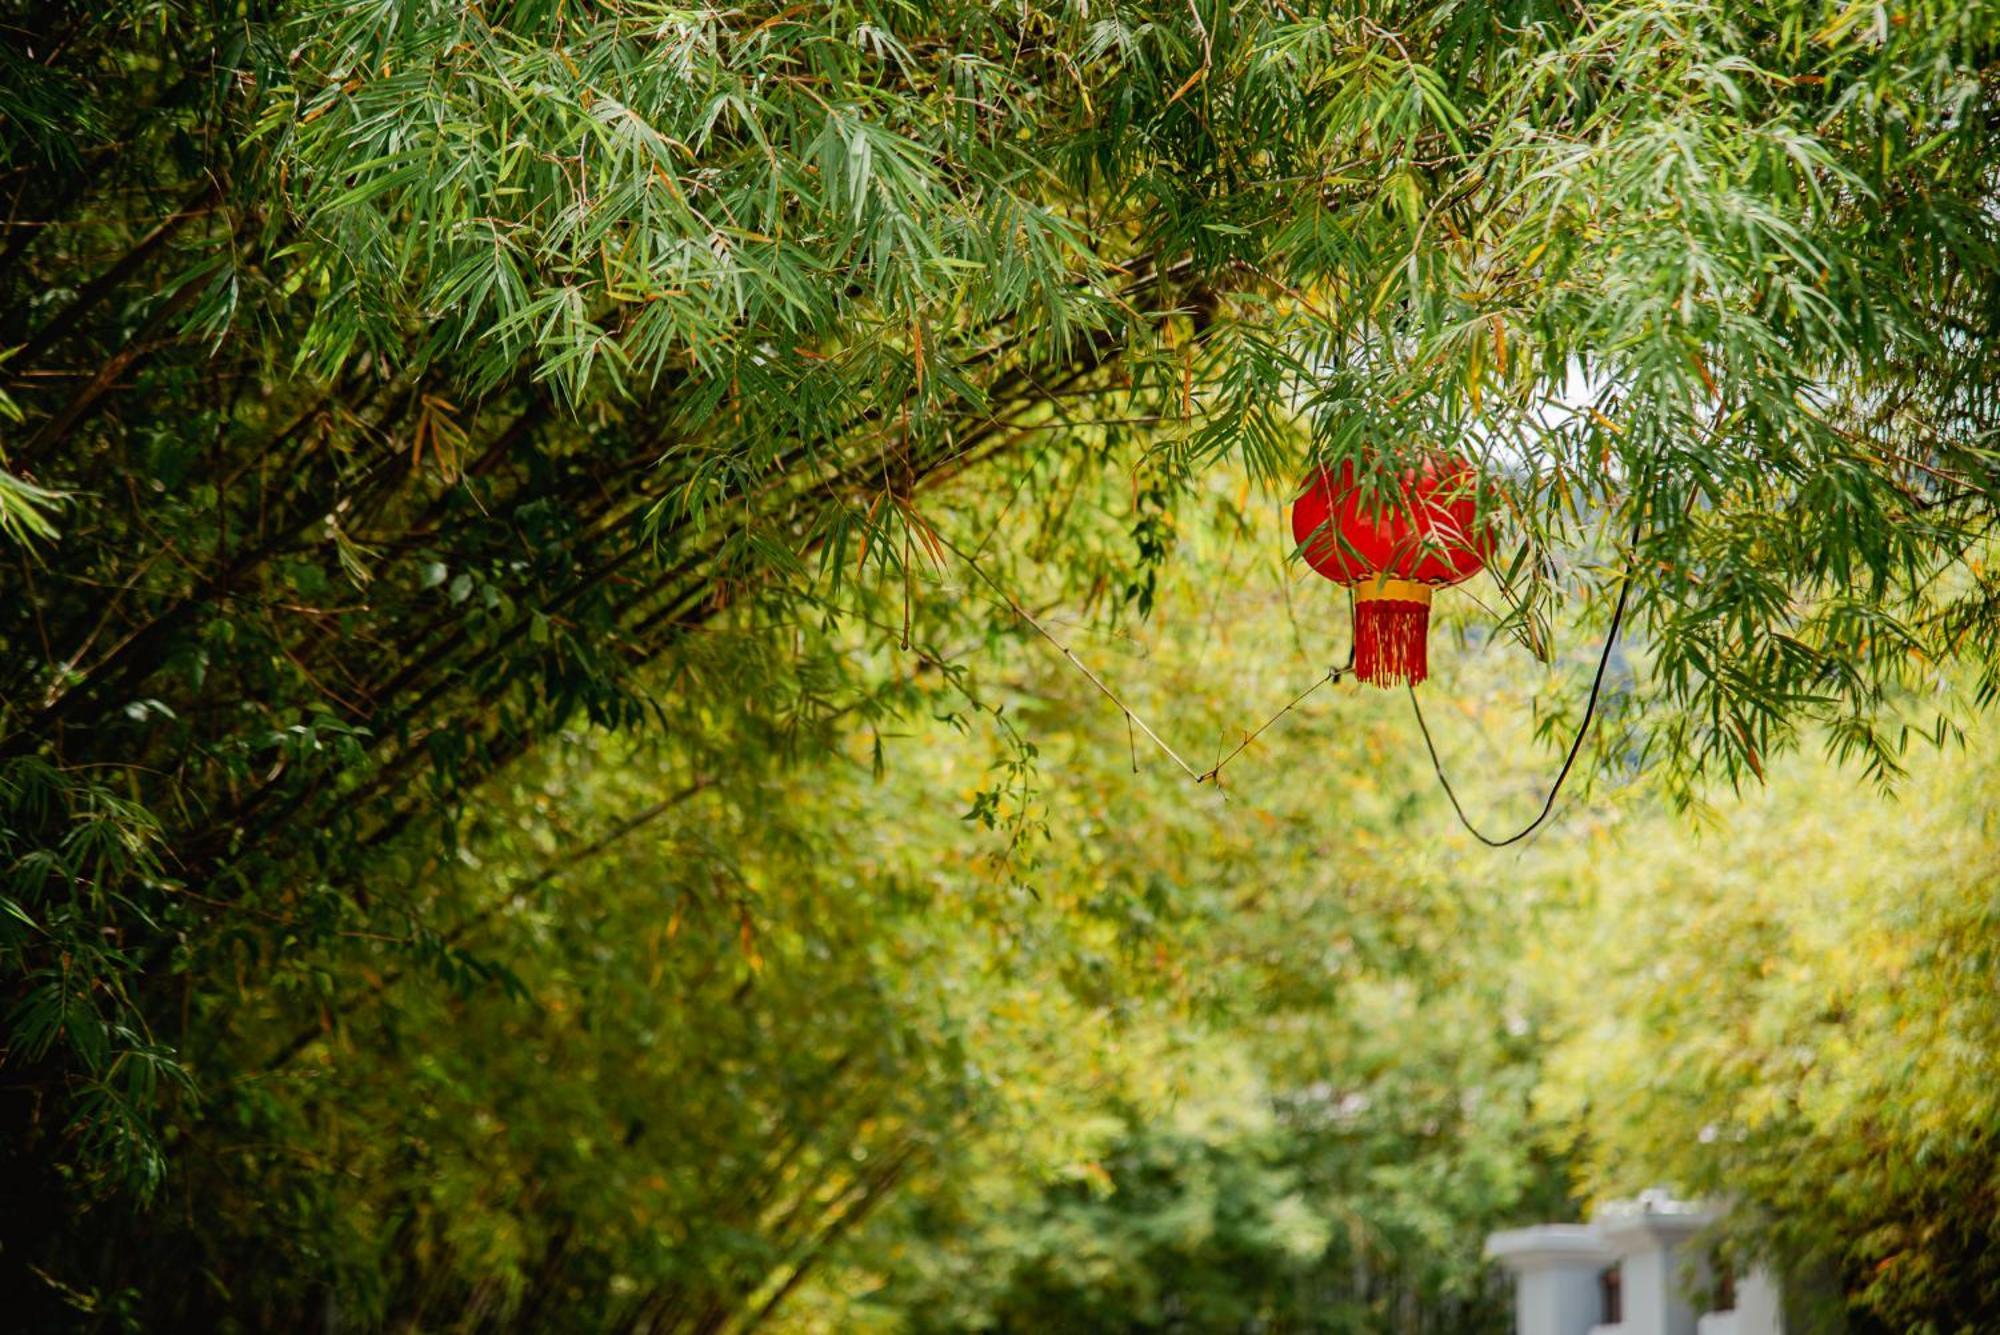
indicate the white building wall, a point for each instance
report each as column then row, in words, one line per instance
column 1558, row 1271
column 1760, row 1307
column 1650, row 1236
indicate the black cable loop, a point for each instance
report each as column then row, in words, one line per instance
column 1575, row 746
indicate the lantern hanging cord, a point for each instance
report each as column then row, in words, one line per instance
column 1132, row 718
column 1332, row 678
column 1575, row 745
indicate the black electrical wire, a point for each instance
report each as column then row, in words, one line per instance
column 1575, row 746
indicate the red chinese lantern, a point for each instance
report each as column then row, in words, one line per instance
column 1394, row 551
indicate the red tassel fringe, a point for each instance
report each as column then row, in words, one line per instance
column 1390, row 642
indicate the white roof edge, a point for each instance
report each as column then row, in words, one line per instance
column 1658, row 1225
column 1544, row 1245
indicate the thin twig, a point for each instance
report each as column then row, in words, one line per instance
column 1131, row 717
column 1332, row 675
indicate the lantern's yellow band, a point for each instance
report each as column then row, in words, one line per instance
column 1383, row 589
